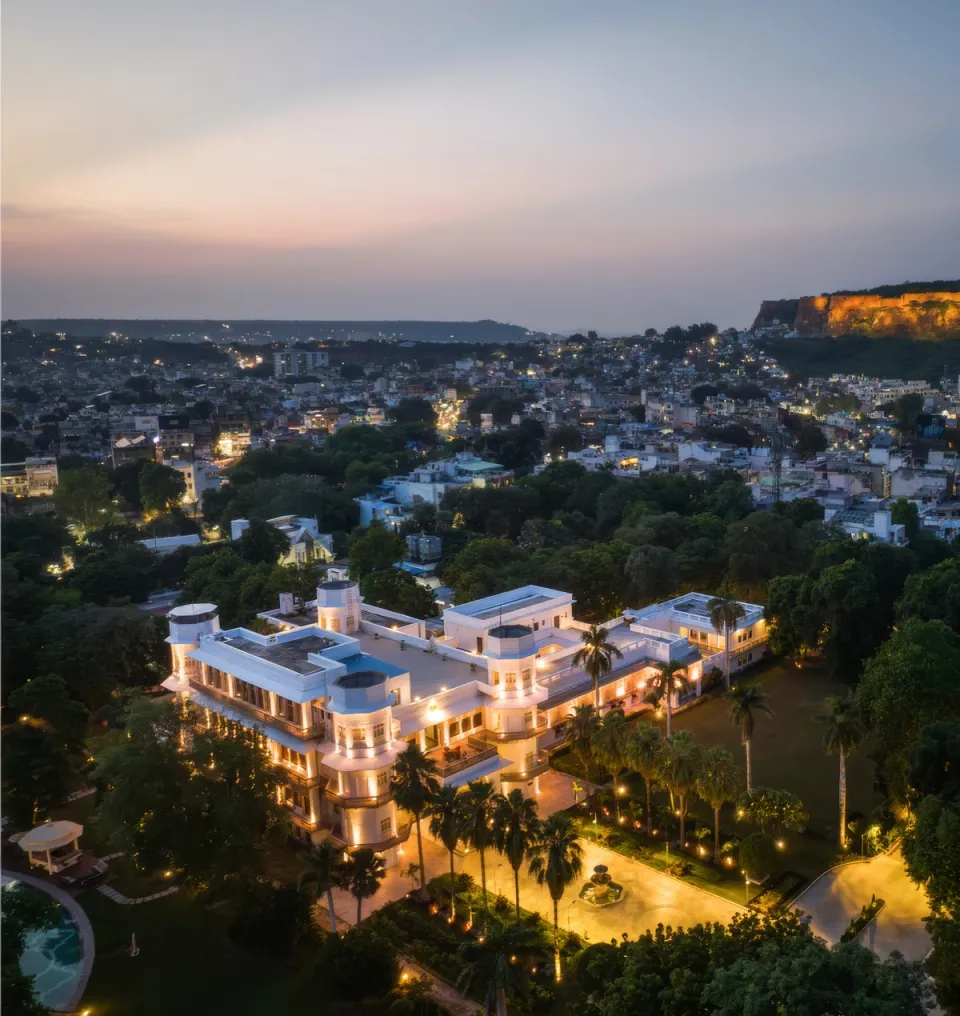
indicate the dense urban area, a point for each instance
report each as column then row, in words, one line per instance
column 381, row 669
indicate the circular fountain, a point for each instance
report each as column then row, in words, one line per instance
column 601, row 890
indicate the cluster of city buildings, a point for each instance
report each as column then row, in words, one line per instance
column 718, row 406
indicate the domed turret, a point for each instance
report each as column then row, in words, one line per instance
column 187, row 623
column 338, row 606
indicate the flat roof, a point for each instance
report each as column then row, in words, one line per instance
column 291, row 655
column 429, row 672
column 693, row 607
column 526, row 601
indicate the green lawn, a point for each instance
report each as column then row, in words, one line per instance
column 787, row 754
column 187, row 964
column 787, row 747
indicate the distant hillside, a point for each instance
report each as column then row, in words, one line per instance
column 225, row 330
column 913, row 310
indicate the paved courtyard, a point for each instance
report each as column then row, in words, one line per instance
column 833, row 900
column 650, row 898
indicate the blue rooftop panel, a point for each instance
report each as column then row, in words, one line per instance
column 364, row 661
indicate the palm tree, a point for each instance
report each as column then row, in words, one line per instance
column 362, row 874
column 556, row 860
column 643, row 753
column 662, row 687
column 596, row 656
column 324, row 874
column 446, row 825
column 499, row 958
column 842, row 736
column 515, row 826
column 583, row 723
column 479, row 802
column 717, row 784
column 415, row 784
column 725, row 612
column 747, row 699
column 679, row 769
column 609, row 741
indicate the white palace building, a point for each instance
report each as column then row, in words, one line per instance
column 342, row 687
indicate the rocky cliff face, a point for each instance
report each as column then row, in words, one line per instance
column 933, row 315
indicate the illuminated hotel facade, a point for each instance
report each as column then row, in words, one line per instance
column 342, row 687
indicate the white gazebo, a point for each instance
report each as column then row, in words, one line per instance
column 53, row 845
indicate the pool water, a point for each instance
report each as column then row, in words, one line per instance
column 54, row 958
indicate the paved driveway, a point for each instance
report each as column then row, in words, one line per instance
column 649, row 899
column 834, row 899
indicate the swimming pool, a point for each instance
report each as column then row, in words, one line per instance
column 54, row 957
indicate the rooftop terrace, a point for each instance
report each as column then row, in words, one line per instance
column 290, row 655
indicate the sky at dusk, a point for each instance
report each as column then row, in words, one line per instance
column 554, row 164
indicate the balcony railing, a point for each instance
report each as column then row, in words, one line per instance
column 296, row 776
column 500, row 736
column 346, row 801
column 461, row 756
column 535, row 767
column 263, row 716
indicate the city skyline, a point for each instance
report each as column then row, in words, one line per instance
column 610, row 167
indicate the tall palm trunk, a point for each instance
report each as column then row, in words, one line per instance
column 423, row 874
column 746, row 748
column 483, row 879
column 716, row 835
column 596, row 691
column 726, row 651
column 359, row 909
column 843, row 798
column 516, row 887
column 453, row 890
column 683, row 818
column 330, row 911
column 648, row 781
column 556, row 939
column 669, row 711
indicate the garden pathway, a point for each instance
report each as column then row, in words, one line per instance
column 117, row 897
column 835, row 898
column 445, row 995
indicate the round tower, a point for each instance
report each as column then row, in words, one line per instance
column 512, row 657
column 187, row 624
column 338, row 606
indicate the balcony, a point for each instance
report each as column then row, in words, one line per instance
column 461, row 755
column 300, row 816
column 359, row 802
column 260, row 715
column 297, row 777
column 532, row 768
column 334, row 832
column 500, row 737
